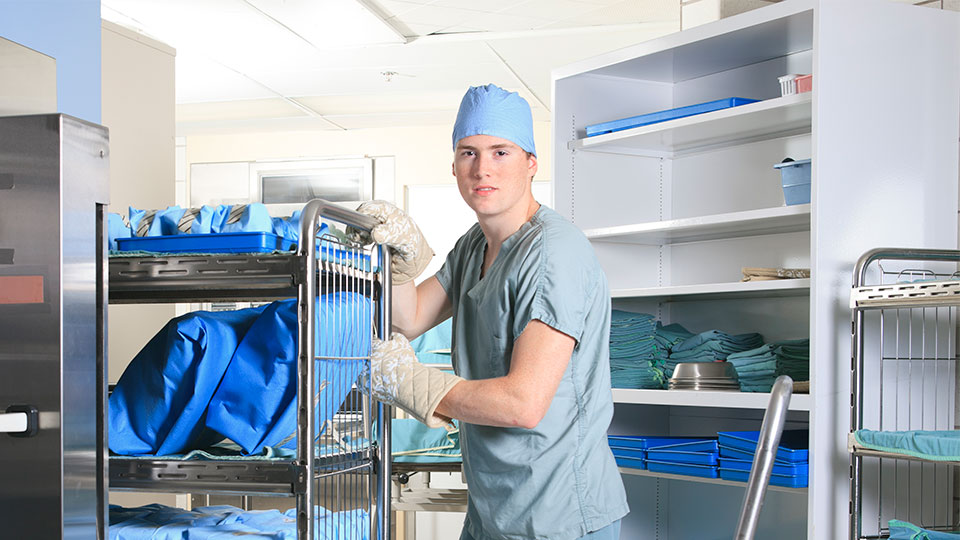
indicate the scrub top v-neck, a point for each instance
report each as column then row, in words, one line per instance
column 558, row 480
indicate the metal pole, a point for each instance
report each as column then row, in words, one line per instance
column 770, row 431
column 384, row 412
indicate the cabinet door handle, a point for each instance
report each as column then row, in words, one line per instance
column 19, row 421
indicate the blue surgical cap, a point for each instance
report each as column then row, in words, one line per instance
column 491, row 110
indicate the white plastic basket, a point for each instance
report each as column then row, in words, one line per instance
column 788, row 84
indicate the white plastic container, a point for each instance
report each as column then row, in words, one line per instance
column 788, row 84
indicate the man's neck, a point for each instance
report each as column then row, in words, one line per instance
column 497, row 229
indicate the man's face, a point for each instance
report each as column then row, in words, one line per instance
column 493, row 174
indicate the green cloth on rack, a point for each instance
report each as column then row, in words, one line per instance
column 929, row 445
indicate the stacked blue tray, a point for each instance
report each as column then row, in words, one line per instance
column 791, row 467
column 629, row 451
column 691, row 457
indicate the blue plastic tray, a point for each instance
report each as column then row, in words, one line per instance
column 673, row 456
column 663, row 116
column 775, row 479
column 240, row 242
column 635, row 453
column 735, row 453
column 704, row 471
column 794, row 469
column 631, row 463
column 627, row 441
column 686, row 445
column 793, row 447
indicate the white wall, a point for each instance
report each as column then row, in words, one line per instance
column 138, row 108
column 423, row 154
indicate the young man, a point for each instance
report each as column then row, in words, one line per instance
column 531, row 325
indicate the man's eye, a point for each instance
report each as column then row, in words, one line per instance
column 501, row 152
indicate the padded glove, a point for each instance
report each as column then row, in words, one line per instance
column 411, row 253
column 398, row 378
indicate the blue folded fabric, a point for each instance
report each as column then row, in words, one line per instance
column 901, row 530
column 210, row 375
column 255, row 404
column 160, row 402
column 434, row 346
column 159, row 522
column 412, row 441
column 930, row 445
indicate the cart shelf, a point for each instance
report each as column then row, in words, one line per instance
column 778, row 117
column 907, row 295
column 251, row 476
column 200, row 278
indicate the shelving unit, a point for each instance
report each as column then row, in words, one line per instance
column 699, row 480
column 777, row 220
column 674, row 211
column 695, row 398
column 766, row 289
column 772, row 118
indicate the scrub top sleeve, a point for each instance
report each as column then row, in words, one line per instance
column 552, row 288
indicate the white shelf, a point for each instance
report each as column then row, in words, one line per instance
column 784, row 219
column 779, row 117
column 720, row 291
column 698, row 479
column 705, row 398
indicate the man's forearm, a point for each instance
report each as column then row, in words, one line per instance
column 490, row 402
column 404, row 310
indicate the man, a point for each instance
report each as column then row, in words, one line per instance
column 531, row 320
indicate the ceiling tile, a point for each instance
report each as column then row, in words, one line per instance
column 437, row 15
column 200, row 79
column 424, row 29
column 390, row 100
column 397, row 7
column 328, row 24
column 502, row 22
column 488, row 6
column 237, row 109
column 554, row 10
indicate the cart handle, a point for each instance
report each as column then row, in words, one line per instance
column 764, row 457
column 320, row 207
column 903, row 254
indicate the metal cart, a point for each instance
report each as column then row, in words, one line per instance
column 327, row 471
column 903, row 377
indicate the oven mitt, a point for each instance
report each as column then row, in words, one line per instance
column 397, row 378
column 411, row 254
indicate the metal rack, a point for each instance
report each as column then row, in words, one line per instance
column 903, row 377
column 326, row 471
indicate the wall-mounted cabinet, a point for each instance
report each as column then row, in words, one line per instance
column 676, row 209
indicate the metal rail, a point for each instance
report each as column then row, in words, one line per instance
column 770, row 432
column 306, row 313
column 899, row 296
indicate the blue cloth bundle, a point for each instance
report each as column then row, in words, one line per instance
column 209, row 219
column 159, row 405
column 793, row 358
column 265, row 366
column 755, row 368
column 634, row 350
column 159, row 522
column 210, row 375
column 901, row 530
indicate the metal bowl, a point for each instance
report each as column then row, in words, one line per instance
column 705, row 371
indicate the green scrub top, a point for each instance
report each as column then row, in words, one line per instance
column 559, row 480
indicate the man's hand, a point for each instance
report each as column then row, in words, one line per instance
column 398, row 378
column 411, row 253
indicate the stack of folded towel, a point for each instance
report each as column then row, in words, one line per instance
column 634, row 351
column 793, row 358
column 756, row 368
column 710, row 346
